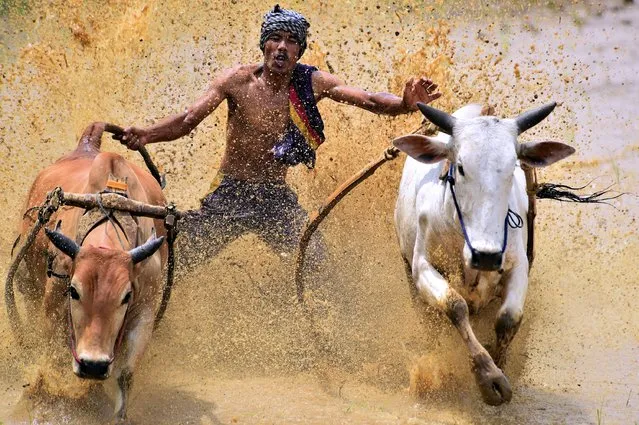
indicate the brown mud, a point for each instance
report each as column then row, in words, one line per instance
column 234, row 346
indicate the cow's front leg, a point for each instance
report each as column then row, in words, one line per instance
column 137, row 338
column 124, row 386
column 512, row 310
column 493, row 384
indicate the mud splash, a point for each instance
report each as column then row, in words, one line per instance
column 234, row 347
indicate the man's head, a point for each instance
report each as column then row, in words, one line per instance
column 287, row 28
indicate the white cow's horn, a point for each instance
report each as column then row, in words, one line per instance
column 533, row 117
column 441, row 119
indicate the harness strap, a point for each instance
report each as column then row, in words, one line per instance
column 15, row 244
column 96, row 216
column 170, row 223
column 50, row 271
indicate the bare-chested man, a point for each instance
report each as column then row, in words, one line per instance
column 273, row 123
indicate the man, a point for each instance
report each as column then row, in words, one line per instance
column 273, row 123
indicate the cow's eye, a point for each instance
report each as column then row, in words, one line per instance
column 461, row 170
column 74, row 293
column 126, row 298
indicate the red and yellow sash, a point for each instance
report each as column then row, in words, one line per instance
column 300, row 119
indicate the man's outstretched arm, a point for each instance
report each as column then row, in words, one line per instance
column 416, row 90
column 179, row 125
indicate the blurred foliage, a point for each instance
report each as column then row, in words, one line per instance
column 14, row 6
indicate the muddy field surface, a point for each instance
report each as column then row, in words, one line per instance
column 234, row 346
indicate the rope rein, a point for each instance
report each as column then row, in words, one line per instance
column 317, row 216
column 45, row 211
column 108, row 216
column 512, row 219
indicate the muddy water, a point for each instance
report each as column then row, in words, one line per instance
column 234, row 347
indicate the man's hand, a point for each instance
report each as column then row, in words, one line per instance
column 419, row 90
column 134, row 138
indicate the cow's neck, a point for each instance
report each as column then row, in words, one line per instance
column 110, row 236
column 108, row 229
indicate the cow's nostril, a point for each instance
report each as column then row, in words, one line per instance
column 94, row 370
column 486, row 261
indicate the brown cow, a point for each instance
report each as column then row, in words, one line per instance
column 105, row 308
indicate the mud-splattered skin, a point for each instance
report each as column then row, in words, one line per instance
column 104, row 313
column 232, row 346
column 258, row 109
column 428, row 218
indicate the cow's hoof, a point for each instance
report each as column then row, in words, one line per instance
column 123, row 421
column 493, row 384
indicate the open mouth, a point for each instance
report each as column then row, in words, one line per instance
column 281, row 58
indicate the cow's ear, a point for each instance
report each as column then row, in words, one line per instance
column 422, row 148
column 542, row 154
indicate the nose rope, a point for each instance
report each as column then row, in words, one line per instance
column 450, row 179
column 512, row 220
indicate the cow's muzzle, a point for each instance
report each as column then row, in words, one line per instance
column 93, row 369
column 485, row 261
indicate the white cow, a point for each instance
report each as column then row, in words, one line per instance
column 464, row 237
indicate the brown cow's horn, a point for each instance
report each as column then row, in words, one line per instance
column 63, row 243
column 144, row 251
column 533, row 117
column 441, row 119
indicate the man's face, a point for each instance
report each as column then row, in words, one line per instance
column 281, row 51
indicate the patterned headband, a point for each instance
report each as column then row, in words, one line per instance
column 280, row 19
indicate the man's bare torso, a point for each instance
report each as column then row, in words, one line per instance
column 257, row 119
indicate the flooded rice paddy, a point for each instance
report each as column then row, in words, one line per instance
column 234, row 347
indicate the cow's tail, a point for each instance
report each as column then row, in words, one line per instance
column 564, row 193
